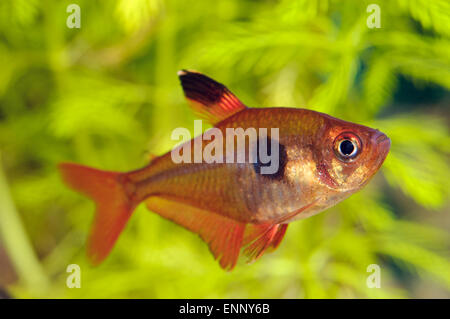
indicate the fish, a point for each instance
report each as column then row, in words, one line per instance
column 236, row 208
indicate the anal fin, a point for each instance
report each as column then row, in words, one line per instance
column 223, row 235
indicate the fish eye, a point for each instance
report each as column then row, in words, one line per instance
column 347, row 146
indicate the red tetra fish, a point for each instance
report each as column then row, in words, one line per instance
column 235, row 206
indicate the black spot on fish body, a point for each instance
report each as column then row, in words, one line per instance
column 282, row 159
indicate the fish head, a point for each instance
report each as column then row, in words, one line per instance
column 349, row 154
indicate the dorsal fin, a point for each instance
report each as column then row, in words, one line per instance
column 212, row 100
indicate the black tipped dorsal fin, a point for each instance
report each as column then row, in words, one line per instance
column 211, row 99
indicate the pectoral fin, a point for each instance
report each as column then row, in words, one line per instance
column 262, row 238
column 267, row 237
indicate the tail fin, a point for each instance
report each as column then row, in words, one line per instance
column 113, row 206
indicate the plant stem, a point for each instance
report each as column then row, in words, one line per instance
column 16, row 242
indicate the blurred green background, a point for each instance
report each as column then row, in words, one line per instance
column 107, row 95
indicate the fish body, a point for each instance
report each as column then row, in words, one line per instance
column 233, row 205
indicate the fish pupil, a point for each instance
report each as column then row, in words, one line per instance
column 346, row 147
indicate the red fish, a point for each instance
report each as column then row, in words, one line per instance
column 235, row 207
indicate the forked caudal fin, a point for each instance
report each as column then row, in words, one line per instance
column 113, row 206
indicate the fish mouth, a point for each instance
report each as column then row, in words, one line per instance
column 382, row 138
column 383, row 145
column 383, row 141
